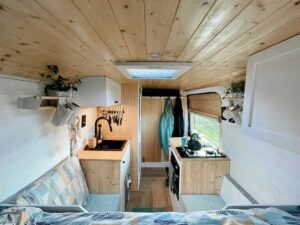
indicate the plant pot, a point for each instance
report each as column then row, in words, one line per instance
column 59, row 93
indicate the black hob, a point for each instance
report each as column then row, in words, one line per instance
column 206, row 152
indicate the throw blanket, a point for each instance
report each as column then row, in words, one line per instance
column 31, row 215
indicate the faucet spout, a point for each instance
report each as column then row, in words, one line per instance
column 102, row 118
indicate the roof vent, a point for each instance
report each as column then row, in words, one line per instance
column 153, row 70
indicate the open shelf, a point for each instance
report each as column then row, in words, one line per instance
column 38, row 102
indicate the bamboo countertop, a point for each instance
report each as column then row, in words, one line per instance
column 176, row 142
column 104, row 155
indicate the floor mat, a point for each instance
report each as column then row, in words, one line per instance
column 149, row 210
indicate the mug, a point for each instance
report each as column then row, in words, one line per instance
column 184, row 141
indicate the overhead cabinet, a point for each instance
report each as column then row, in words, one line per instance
column 98, row 91
column 272, row 106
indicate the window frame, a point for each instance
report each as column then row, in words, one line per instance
column 191, row 126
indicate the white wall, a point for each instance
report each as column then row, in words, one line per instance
column 29, row 144
column 88, row 131
column 269, row 173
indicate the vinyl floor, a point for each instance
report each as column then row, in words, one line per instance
column 153, row 191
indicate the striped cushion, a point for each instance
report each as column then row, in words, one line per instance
column 65, row 185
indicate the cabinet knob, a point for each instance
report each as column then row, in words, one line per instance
column 123, row 162
column 116, row 102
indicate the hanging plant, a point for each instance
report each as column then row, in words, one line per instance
column 236, row 89
column 59, row 85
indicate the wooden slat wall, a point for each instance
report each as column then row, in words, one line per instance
column 152, row 108
column 208, row 104
column 130, row 127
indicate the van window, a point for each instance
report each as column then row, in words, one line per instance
column 209, row 127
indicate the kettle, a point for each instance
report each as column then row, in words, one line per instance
column 194, row 143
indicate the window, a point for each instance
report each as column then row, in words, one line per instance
column 209, row 127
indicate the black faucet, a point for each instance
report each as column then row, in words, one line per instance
column 98, row 136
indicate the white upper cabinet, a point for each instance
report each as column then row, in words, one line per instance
column 272, row 104
column 98, row 91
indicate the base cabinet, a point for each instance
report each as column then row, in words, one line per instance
column 108, row 176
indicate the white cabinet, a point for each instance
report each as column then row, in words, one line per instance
column 98, row 91
column 271, row 105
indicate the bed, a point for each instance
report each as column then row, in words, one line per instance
column 256, row 216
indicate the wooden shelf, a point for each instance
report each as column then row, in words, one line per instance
column 38, row 102
column 48, row 97
column 235, row 98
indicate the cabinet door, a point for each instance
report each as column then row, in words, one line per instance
column 124, row 166
column 272, row 106
column 91, row 92
column 113, row 92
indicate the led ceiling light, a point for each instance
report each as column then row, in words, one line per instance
column 154, row 55
column 153, row 70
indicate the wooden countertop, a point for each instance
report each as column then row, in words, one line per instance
column 104, row 155
column 176, row 142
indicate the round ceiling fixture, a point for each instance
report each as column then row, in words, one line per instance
column 154, row 55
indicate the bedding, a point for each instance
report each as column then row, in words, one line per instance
column 32, row 215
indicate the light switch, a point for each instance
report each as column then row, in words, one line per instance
column 83, row 121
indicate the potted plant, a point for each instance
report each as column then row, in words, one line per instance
column 236, row 89
column 58, row 85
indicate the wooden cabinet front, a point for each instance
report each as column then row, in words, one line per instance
column 102, row 176
column 203, row 176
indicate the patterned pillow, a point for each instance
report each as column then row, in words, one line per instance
column 40, row 193
column 65, row 185
column 19, row 215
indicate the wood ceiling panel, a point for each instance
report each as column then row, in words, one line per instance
column 252, row 15
column 73, row 20
column 85, row 37
column 159, row 16
column 131, row 20
column 101, row 17
column 284, row 15
column 189, row 15
column 219, row 16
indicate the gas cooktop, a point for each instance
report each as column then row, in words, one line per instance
column 205, row 152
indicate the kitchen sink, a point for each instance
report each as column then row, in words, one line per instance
column 109, row 145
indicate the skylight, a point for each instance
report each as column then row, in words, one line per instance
column 153, row 70
column 152, row 73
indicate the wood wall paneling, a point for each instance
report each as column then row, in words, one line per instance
column 129, row 128
column 152, row 109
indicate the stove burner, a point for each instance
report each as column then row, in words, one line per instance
column 208, row 152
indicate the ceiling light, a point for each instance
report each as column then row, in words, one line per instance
column 154, row 55
column 153, row 70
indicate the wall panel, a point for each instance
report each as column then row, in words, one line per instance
column 129, row 128
column 26, row 136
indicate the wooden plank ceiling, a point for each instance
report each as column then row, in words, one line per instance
column 86, row 37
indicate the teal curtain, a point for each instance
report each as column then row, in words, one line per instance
column 166, row 126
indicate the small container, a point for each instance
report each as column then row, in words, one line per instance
column 92, row 142
column 184, row 141
column 62, row 115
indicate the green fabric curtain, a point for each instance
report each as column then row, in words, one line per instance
column 166, row 126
